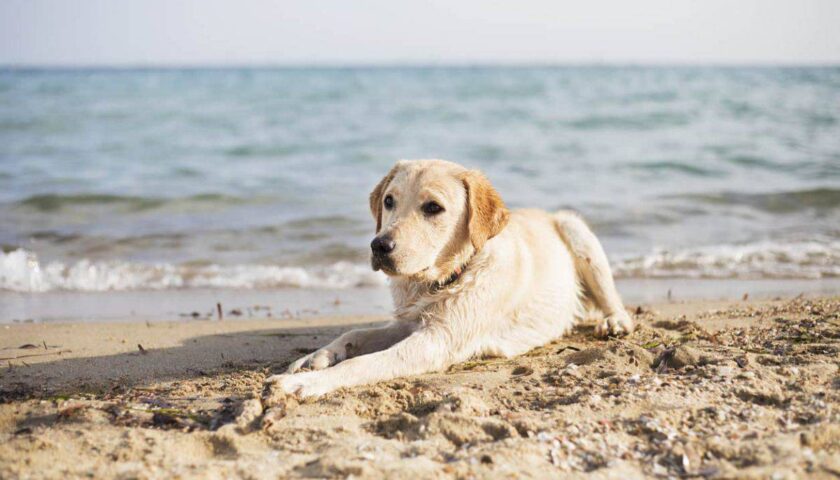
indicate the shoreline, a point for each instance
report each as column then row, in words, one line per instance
column 301, row 303
column 717, row 389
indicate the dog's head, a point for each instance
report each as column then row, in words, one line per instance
column 431, row 216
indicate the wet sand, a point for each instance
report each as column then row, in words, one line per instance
column 716, row 389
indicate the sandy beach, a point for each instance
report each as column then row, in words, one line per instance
column 738, row 389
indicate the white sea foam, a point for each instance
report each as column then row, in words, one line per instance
column 21, row 271
column 801, row 259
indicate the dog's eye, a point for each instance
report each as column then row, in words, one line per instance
column 388, row 202
column 431, row 208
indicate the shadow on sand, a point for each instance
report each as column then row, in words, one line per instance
column 265, row 350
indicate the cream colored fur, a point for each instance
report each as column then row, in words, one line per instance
column 526, row 275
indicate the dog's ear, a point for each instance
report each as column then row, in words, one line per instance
column 488, row 214
column 376, row 196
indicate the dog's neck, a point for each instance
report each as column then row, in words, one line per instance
column 448, row 272
column 436, row 286
column 413, row 295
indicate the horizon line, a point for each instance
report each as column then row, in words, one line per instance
column 385, row 64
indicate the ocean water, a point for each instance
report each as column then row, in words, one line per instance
column 258, row 178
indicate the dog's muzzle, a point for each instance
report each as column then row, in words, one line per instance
column 381, row 248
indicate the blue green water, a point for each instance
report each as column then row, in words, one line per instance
column 134, row 179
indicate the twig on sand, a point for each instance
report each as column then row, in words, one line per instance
column 34, row 355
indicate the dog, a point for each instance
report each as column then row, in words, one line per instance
column 469, row 278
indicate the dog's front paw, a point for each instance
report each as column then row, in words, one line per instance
column 619, row 323
column 318, row 360
column 300, row 385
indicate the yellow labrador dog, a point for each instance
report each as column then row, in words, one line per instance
column 468, row 278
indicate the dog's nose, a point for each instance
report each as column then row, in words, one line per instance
column 383, row 245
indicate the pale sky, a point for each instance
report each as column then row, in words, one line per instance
column 223, row 32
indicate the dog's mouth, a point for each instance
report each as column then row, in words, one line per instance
column 386, row 264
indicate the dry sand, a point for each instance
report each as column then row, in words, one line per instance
column 702, row 389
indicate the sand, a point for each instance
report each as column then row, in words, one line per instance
column 703, row 389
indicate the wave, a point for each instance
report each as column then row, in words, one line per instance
column 21, row 271
column 56, row 202
column 634, row 121
column 819, row 199
column 802, row 259
column 666, row 167
column 261, row 150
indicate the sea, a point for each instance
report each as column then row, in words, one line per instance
column 251, row 184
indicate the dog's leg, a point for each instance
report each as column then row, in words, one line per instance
column 353, row 343
column 594, row 272
column 428, row 349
